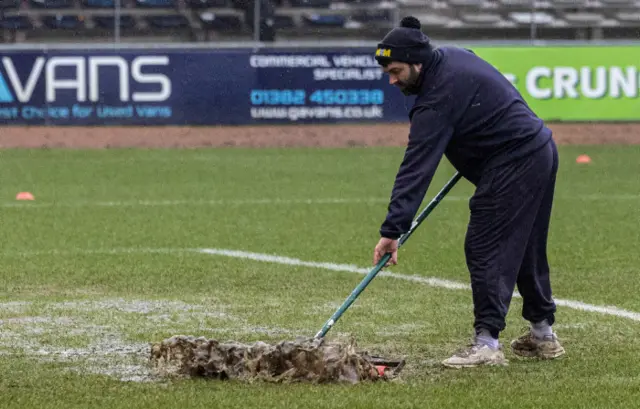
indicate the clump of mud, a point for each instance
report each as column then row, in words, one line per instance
column 303, row 360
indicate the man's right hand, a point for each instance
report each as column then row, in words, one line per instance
column 383, row 247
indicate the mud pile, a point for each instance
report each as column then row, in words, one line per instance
column 303, row 360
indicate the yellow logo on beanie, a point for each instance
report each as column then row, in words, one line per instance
column 383, row 52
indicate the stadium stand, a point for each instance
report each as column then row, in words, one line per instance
column 229, row 20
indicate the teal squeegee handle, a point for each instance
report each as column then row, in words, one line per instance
column 383, row 261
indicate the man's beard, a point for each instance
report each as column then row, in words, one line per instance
column 410, row 86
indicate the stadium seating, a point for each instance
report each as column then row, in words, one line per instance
column 229, row 20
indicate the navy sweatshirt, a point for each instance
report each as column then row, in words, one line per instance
column 467, row 111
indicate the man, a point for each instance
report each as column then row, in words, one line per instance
column 466, row 110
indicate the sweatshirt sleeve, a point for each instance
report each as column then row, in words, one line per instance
column 429, row 134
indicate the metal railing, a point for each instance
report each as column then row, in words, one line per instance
column 534, row 25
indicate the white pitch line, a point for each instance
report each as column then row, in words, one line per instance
column 267, row 201
column 433, row 282
column 221, row 202
column 349, row 268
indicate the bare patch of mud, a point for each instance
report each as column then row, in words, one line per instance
column 111, row 337
column 303, row 360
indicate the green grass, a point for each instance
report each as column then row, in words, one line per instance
column 88, row 267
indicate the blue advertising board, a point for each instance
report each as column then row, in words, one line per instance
column 195, row 87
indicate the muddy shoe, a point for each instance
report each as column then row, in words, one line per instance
column 476, row 355
column 529, row 346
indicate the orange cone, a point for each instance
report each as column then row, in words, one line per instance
column 583, row 159
column 25, row 196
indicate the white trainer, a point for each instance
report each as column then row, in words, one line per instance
column 476, row 355
column 527, row 345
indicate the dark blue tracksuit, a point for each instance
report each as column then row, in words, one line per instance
column 466, row 110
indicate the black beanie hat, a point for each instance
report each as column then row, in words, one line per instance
column 406, row 43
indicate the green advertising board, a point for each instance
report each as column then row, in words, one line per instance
column 598, row 83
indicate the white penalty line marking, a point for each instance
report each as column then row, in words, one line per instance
column 267, row 201
column 347, row 268
column 433, row 282
column 220, row 202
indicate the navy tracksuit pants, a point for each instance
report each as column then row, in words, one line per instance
column 506, row 241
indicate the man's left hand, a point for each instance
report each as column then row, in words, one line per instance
column 383, row 247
